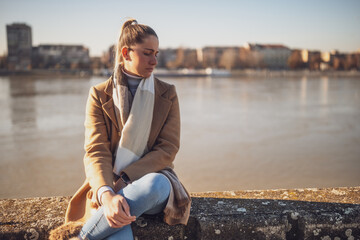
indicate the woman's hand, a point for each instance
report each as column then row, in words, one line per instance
column 116, row 210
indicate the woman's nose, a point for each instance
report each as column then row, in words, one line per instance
column 153, row 60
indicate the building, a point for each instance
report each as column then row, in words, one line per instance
column 178, row 58
column 108, row 57
column 230, row 58
column 313, row 59
column 50, row 56
column 271, row 56
column 3, row 62
column 166, row 58
column 19, row 43
column 326, row 61
column 211, row 56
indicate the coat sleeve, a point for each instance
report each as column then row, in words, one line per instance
column 166, row 145
column 98, row 156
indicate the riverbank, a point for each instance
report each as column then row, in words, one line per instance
column 47, row 73
column 328, row 213
column 293, row 73
column 179, row 73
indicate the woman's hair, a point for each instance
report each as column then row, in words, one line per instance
column 131, row 33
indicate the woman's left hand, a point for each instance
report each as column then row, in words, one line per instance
column 116, row 210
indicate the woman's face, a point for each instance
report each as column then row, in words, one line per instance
column 141, row 59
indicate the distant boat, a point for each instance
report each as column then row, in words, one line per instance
column 218, row 72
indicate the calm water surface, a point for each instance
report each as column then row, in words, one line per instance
column 237, row 133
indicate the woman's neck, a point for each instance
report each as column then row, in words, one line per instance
column 130, row 75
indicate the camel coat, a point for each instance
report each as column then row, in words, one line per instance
column 102, row 134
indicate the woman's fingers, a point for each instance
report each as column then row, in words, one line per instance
column 126, row 209
column 117, row 212
column 114, row 223
column 116, row 220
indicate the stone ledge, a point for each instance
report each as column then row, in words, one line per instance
column 338, row 195
column 269, row 214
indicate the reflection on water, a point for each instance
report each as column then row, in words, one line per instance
column 303, row 91
column 324, row 90
column 244, row 133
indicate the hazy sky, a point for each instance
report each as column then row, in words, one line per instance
column 312, row 24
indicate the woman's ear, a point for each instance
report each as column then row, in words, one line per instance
column 125, row 53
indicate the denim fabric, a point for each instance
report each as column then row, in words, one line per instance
column 147, row 195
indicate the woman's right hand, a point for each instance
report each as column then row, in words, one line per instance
column 116, row 210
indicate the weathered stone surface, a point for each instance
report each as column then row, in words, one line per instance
column 214, row 217
column 238, row 219
column 332, row 221
column 274, row 219
column 338, row 195
column 31, row 218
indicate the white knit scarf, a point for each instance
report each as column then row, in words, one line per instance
column 136, row 117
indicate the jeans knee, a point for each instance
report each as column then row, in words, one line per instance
column 159, row 186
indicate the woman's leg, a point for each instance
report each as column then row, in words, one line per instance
column 148, row 194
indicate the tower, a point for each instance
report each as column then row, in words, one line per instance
column 19, row 43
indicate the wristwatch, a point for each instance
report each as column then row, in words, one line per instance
column 125, row 178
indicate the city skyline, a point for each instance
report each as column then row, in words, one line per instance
column 322, row 25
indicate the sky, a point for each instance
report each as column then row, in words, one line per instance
column 308, row 24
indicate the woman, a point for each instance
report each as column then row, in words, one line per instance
column 132, row 134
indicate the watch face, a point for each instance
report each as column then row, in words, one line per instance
column 125, row 177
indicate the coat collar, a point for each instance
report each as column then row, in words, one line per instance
column 159, row 88
column 161, row 108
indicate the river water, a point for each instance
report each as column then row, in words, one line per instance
column 236, row 133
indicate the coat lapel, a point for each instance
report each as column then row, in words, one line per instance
column 108, row 106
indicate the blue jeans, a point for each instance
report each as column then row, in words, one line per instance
column 147, row 195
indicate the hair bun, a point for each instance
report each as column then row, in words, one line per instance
column 128, row 23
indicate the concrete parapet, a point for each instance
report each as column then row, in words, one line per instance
column 269, row 214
